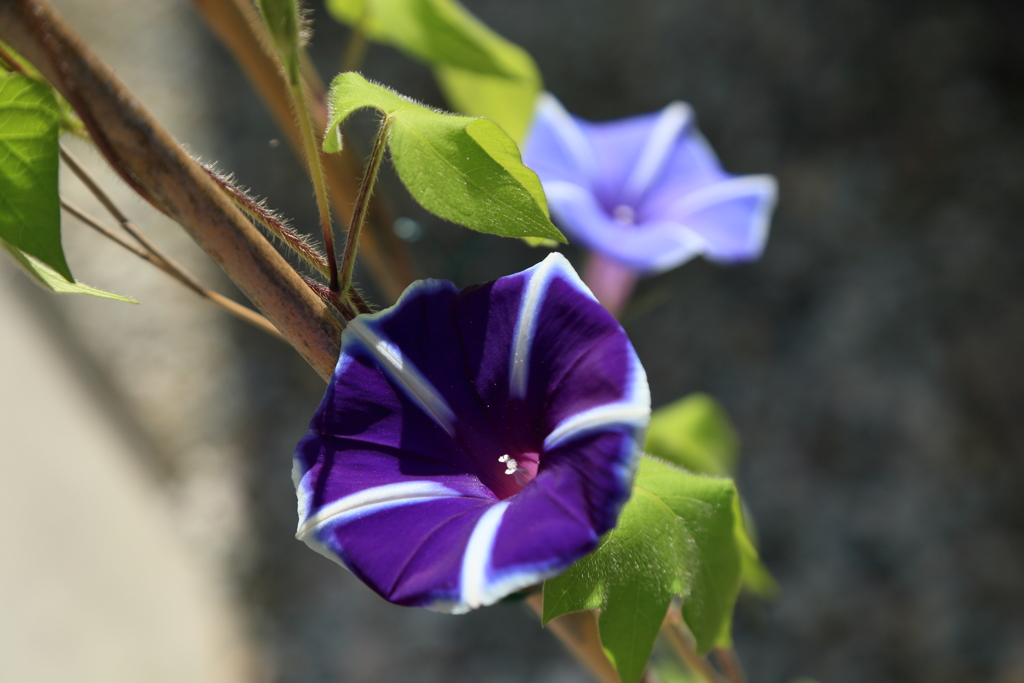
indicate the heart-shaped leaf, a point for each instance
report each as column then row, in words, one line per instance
column 29, row 200
column 464, row 169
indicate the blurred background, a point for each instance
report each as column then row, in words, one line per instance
column 871, row 360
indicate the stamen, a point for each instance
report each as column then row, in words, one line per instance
column 511, row 466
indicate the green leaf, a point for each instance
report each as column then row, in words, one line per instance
column 29, row 201
column 434, row 31
column 69, row 121
column 52, row 280
column 756, row 577
column 675, row 536
column 695, row 433
column 481, row 73
column 541, row 242
column 464, row 169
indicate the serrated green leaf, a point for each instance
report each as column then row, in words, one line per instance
column 695, row 433
column 52, row 280
column 29, row 201
column 480, row 72
column 675, row 536
column 462, row 168
column 756, row 577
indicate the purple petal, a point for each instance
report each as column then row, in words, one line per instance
column 633, row 153
column 690, row 166
column 402, row 477
column 732, row 216
column 654, row 194
column 557, row 146
column 410, row 553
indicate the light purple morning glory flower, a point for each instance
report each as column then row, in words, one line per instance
column 473, row 443
column 646, row 191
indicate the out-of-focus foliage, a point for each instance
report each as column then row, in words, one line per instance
column 480, row 72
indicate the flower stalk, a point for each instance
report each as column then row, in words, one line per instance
column 316, row 171
column 610, row 281
column 348, row 259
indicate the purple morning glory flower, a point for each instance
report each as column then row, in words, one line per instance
column 646, row 192
column 473, row 443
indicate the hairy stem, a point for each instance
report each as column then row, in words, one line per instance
column 278, row 228
column 348, row 260
column 316, row 172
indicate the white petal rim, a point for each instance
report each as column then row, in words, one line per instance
column 389, row 356
column 373, row 500
column 539, row 277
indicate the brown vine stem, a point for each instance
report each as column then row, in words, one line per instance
column 682, row 644
column 730, row 665
column 142, row 151
column 9, row 63
column 241, row 312
column 578, row 632
column 237, row 24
